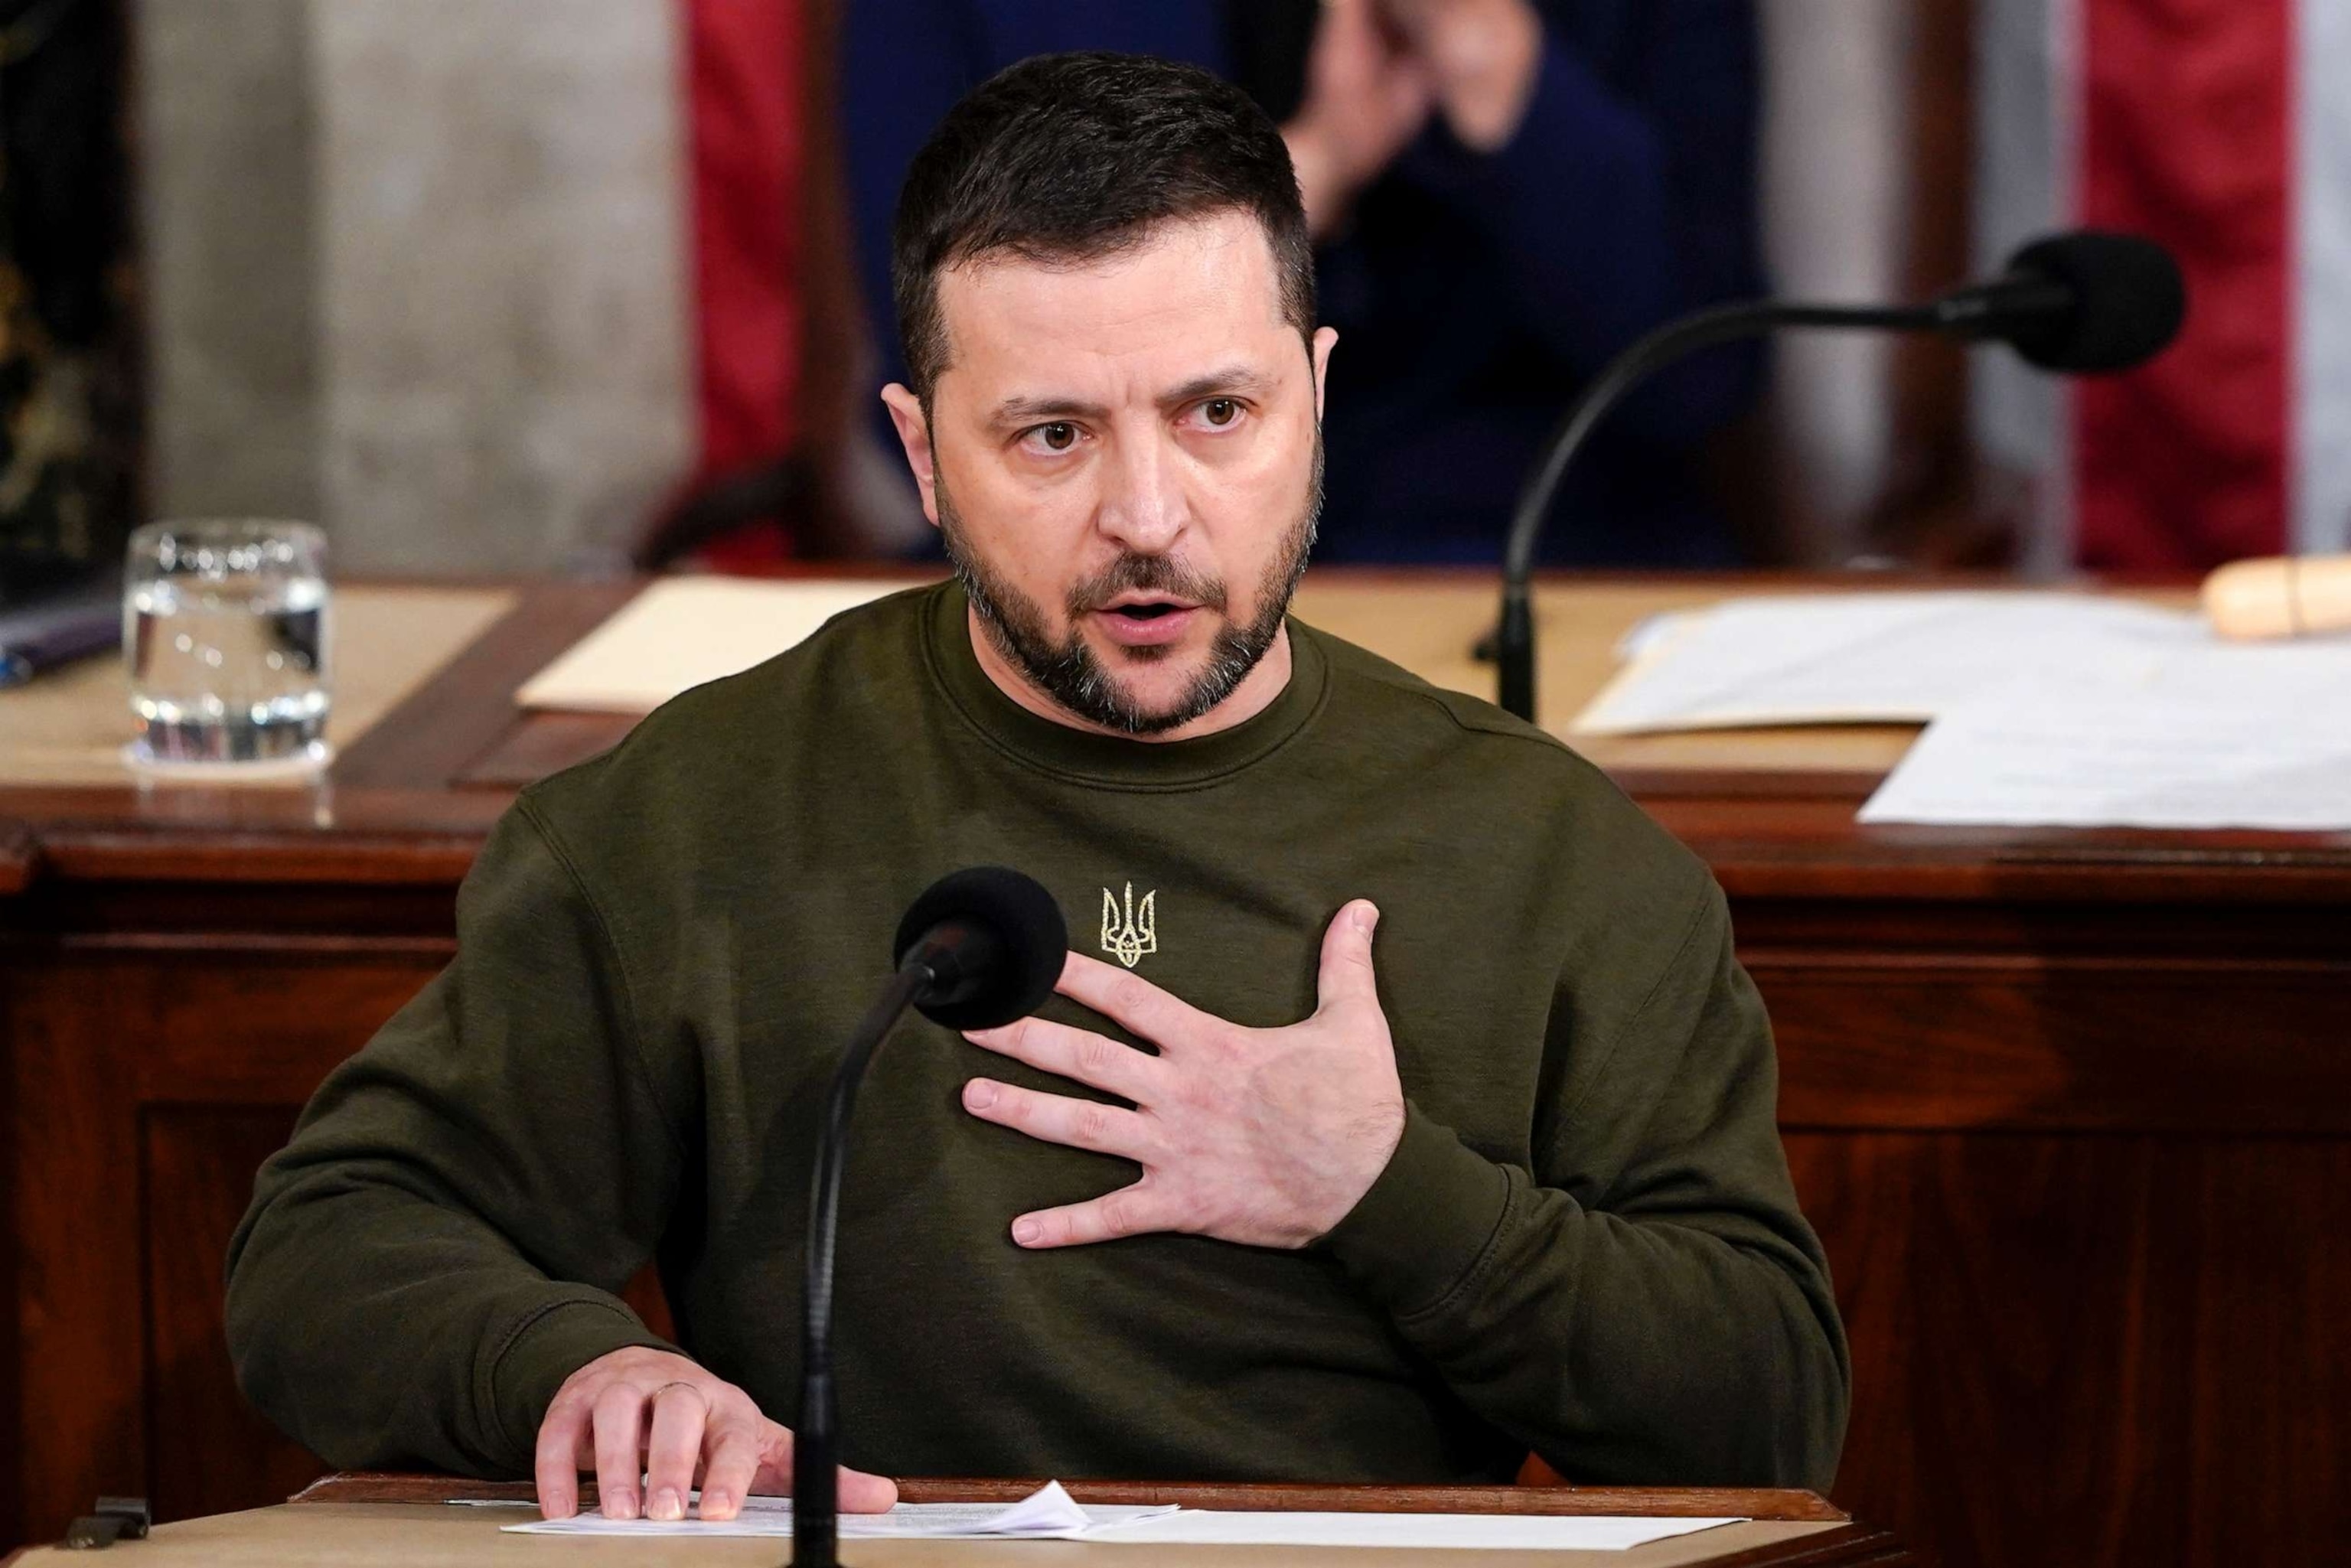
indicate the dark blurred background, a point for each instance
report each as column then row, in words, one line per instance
column 70, row 384
column 578, row 285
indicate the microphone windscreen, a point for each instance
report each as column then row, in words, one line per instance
column 1021, row 942
column 2128, row 301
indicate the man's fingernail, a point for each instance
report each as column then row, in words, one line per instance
column 621, row 1505
column 979, row 1094
column 665, row 1505
column 717, row 1504
column 1026, row 1231
column 1367, row 917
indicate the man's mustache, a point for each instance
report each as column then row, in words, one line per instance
column 1133, row 573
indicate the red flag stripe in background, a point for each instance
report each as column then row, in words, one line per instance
column 744, row 69
column 2187, row 114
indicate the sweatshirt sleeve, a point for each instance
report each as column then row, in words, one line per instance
column 1678, row 1326
column 438, row 1247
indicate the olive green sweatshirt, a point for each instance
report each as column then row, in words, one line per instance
column 1585, row 1245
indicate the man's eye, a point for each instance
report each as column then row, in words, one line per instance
column 1220, row 410
column 1058, row 437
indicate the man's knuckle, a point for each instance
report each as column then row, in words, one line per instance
column 1129, row 992
column 1090, row 1124
column 1094, row 1054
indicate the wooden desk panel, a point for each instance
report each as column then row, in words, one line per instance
column 2069, row 1107
column 399, row 1535
column 369, row 1518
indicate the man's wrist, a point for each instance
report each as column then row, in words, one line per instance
column 1427, row 1220
column 545, row 1349
column 1485, row 56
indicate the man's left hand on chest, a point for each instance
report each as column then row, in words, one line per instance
column 1263, row 1136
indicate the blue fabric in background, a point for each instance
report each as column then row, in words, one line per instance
column 1473, row 294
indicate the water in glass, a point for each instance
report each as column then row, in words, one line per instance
column 224, row 629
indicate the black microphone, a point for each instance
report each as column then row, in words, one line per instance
column 2083, row 302
column 980, row 948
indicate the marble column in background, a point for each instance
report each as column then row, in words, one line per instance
column 418, row 269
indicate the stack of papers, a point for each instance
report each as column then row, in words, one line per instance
column 1867, row 658
column 2042, row 709
column 1051, row 1514
column 1414, row 1531
column 1047, row 1514
column 683, row 631
column 2207, row 736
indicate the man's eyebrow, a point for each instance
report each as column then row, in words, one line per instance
column 1224, row 382
column 1022, row 410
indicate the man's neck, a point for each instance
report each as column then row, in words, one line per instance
column 1256, row 693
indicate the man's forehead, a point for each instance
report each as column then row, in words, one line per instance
column 1188, row 290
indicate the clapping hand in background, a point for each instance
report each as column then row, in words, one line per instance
column 1379, row 68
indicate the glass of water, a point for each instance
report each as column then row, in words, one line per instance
column 224, row 629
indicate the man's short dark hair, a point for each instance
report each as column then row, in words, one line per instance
column 1069, row 157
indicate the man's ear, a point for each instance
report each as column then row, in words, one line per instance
column 914, row 436
column 1324, row 338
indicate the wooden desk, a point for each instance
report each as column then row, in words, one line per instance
column 357, row 1520
column 2071, row 1110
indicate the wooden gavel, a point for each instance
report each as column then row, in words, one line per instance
column 2280, row 596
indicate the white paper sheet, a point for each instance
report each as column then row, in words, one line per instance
column 2215, row 737
column 1415, row 1531
column 1047, row 1514
column 1862, row 658
column 683, row 631
column 1050, row 1514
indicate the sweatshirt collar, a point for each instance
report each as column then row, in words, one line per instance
column 1112, row 760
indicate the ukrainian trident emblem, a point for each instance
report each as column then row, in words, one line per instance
column 1128, row 933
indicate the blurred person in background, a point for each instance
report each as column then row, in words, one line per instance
column 1504, row 193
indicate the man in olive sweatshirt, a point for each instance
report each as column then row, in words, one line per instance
column 1246, row 1199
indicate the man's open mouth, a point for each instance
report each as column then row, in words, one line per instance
column 1148, row 609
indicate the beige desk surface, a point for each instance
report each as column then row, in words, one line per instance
column 69, row 728
column 429, row 1535
column 390, row 639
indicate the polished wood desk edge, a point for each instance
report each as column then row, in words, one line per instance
column 463, row 710
column 1759, row 845
column 1829, row 1545
column 1855, row 866
column 1766, row 835
column 20, row 857
column 1785, row 1504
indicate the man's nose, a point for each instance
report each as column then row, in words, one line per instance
column 1142, row 502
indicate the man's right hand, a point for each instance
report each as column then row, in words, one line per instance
column 651, row 1412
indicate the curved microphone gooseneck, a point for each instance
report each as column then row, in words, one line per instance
column 1515, row 643
column 2084, row 301
column 980, row 948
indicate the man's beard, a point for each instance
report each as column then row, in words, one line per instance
column 1069, row 674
